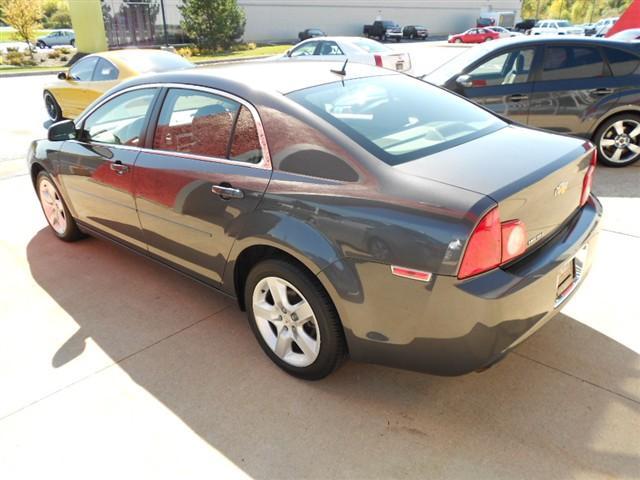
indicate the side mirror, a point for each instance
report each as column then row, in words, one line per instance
column 288, row 53
column 464, row 81
column 62, row 76
column 61, row 131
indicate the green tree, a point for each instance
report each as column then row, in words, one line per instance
column 213, row 23
column 24, row 16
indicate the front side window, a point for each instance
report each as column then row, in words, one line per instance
column 120, row 121
column 83, row 70
column 195, row 122
column 105, row 71
column 330, row 48
column 570, row 63
column 397, row 118
column 304, row 50
column 508, row 68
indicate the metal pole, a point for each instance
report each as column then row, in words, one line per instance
column 538, row 10
column 164, row 24
column 593, row 7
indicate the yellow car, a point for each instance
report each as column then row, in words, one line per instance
column 93, row 75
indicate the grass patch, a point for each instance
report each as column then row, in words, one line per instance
column 4, row 69
column 11, row 36
column 256, row 52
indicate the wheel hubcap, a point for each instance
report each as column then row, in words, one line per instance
column 51, row 108
column 620, row 143
column 286, row 321
column 53, row 207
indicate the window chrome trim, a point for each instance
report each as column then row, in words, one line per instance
column 265, row 162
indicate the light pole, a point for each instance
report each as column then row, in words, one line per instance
column 164, row 23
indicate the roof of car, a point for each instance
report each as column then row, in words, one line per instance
column 556, row 39
column 272, row 76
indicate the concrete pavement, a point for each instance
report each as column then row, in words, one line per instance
column 112, row 366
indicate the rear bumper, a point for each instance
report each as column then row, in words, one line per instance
column 451, row 327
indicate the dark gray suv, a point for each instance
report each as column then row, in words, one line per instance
column 580, row 86
column 351, row 210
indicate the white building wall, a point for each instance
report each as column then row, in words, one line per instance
column 272, row 20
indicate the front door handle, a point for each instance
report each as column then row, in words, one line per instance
column 119, row 168
column 517, row 97
column 599, row 92
column 226, row 191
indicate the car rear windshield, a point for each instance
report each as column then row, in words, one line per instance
column 370, row 46
column 398, row 118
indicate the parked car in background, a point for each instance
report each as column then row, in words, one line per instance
column 266, row 190
column 383, row 30
column 57, row 37
column 525, row 25
column 603, row 26
column 506, row 19
column 474, row 35
column 311, row 33
column 586, row 28
column 579, row 86
column 556, row 27
column 415, row 31
column 504, row 33
column 355, row 49
column 630, row 35
column 93, row 75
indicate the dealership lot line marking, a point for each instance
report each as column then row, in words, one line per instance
column 559, row 370
column 117, row 362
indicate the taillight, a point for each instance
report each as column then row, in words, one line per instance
column 378, row 59
column 514, row 239
column 588, row 179
column 492, row 244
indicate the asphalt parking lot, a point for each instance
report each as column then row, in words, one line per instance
column 112, row 366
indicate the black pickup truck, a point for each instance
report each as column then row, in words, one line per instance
column 383, row 30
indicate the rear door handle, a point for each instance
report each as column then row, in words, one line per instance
column 226, row 191
column 599, row 92
column 517, row 97
column 119, row 168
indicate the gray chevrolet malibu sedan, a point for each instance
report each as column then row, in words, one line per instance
column 349, row 209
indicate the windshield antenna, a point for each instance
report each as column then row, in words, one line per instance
column 343, row 70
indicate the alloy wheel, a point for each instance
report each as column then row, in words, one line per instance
column 286, row 321
column 52, row 108
column 620, row 143
column 53, row 206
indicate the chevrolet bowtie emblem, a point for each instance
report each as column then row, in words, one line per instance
column 561, row 189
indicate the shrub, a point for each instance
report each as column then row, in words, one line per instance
column 185, row 52
column 15, row 58
column 53, row 54
column 65, row 50
column 213, row 23
column 64, row 58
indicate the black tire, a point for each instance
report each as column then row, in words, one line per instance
column 629, row 120
column 71, row 233
column 458, row 40
column 398, row 39
column 53, row 108
column 41, row 44
column 332, row 349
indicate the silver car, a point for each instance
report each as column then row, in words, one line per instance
column 57, row 37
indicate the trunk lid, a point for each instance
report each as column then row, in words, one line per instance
column 533, row 176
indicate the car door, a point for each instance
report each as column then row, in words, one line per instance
column 204, row 172
column 503, row 82
column 571, row 80
column 74, row 93
column 470, row 36
column 97, row 167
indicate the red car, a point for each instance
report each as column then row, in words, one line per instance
column 474, row 35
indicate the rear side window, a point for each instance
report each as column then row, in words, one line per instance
column 570, row 63
column 195, row 122
column 398, row 118
column 245, row 145
column 622, row 63
column 105, row 71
